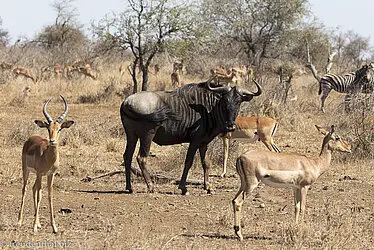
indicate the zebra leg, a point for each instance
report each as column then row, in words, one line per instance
column 325, row 94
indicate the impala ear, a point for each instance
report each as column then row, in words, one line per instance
column 67, row 124
column 41, row 124
column 321, row 130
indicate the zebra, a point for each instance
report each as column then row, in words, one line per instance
column 353, row 82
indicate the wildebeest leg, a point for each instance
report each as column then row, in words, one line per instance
column 145, row 145
column 187, row 165
column 206, row 165
column 127, row 158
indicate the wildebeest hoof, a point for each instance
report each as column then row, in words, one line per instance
column 185, row 192
column 128, row 191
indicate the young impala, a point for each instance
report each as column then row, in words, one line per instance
column 40, row 155
column 250, row 128
column 284, row 170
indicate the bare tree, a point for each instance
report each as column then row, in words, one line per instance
column 64, row 38
column 258, row 25
column 144, row 28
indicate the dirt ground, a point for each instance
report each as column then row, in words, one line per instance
column 99, row 215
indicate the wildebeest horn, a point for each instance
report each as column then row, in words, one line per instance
column 46, row 115
column 221, row 89
column 246, row 92
column 62, row 116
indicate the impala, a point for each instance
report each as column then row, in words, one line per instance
column 86, row 70
column 18, row 70
column 178, row 66
column 284, row 170
column 175, row 80
column 226, row 78
column 250, row 128
column 40, row 155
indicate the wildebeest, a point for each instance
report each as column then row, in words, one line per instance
column 194, row 113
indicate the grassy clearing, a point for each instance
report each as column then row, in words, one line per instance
column 339, row 208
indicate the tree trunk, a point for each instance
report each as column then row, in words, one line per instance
column 145, row 79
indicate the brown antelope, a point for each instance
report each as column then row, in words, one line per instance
column 41, row 156
column 243, row 72
column 250, row 128
column 175, row 80
column 86, row 70
column 18, row 70
column 122, row 68
column 58, row 70
column 282, row 170
column 178, row 67
column 224, row 78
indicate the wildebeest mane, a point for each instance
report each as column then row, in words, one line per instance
column 197, row 93
column 162, row 114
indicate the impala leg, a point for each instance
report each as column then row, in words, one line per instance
column 191, row 151
column 247, row 185
column 145, row 146
column 37, row 192
column 268, row 144
column 303, row 192
column 50, row 199
column 276, row 149
column 237, row 204
column 206, row 165
column 225, row 141
column 24, row 189
column 297, row 200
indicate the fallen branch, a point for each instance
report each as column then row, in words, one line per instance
column 159, row 177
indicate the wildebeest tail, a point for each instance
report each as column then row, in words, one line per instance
column 320, row 88
column 162, row 114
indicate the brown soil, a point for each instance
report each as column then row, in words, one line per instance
column 98, row 215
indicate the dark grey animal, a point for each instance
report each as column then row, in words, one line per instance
column 194, row 113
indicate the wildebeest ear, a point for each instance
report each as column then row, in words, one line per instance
column 67, row 124
column 247, row 98
column 41, row 124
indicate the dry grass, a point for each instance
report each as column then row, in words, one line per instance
column 339, row 209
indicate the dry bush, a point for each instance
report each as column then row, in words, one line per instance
column 19, row 134
column 101, row 97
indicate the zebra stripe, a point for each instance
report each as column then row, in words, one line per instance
column 353, row 82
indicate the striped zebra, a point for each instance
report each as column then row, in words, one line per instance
column 353, row 82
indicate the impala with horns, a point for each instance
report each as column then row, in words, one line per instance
column 194, row 114
column 283, row 170
column 41, row 156
column 250, row 128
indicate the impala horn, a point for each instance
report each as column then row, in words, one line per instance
column 46, row 115
column 62, row 116
column 327, row 138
